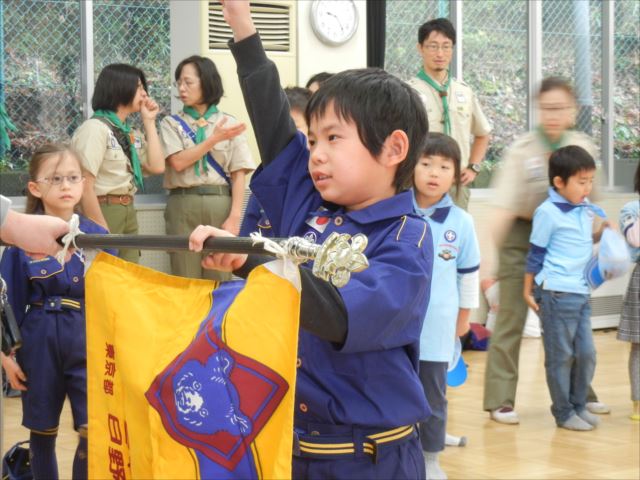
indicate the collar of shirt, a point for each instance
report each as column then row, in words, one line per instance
column 397, row 206
column 438, row 212
column 566, row 206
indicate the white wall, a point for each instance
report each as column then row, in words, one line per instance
column 185, row 32
column 314, row 56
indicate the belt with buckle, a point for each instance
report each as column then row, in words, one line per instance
column 115, row 199
column 326, row 446
column 202, row 190
column 57, row 304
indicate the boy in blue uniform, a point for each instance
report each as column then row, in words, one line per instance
column 456, row 264
column 561, row 246
column 358, row 393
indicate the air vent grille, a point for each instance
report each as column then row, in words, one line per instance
column 272, row 21
column 606, row 305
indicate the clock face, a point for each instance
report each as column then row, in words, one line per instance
column 334, row 21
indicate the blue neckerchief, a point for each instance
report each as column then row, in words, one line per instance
column 438, row 212
column 566, row 206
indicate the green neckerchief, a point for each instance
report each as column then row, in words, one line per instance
column 443, row 92
column 553, row 146
column 6, row 125
column 125, row 128
column 201, row 134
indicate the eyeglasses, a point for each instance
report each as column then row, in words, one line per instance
column 58, row 179
column 555, row 108
column 188, row 84
column 434, row 47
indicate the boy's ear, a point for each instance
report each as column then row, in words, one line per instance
column 558, row 182
column 34, row 189
column 394, row 148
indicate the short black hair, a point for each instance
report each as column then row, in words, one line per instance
column 567, row 161
column 442, row 25
column 444, row 146
column 319, row 77
column 210, row 80
column 378, row 103
column 116, row 86
column 298, row 98
column 636, row 183
column 556, row 83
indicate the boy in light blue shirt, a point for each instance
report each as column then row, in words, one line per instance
column 561, row 246
column 455, row 266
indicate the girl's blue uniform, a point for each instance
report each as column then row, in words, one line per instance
column 48, row 301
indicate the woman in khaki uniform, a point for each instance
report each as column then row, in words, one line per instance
column 207, row 162
column 115, row 155
column 521, row 185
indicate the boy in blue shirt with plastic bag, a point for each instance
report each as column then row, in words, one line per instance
column 561, row 246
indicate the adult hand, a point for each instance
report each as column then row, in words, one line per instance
column 237, row 13
column 467, row 176
column 224, row 262
column 149, row 110
column 221, row 133
column 35, row 234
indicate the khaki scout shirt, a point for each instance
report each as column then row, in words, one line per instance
column 232, row 155
column 522, row 181
column 103, row 157
column 466, row 116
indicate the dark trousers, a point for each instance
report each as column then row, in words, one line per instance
column 433, row 431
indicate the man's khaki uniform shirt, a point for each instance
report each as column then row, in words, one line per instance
column 465, row 113
column 522, row 180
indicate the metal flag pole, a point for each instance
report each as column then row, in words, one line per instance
column 334, row 260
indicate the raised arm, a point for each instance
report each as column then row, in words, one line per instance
column 260, row 83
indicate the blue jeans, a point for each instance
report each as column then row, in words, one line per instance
column 570, row 356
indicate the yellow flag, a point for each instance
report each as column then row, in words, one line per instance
column 188, row 378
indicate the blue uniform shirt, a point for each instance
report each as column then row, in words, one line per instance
column 48, row 301
column 371, row 380
column 561, row 244
column 456, row 252
column 255, row 220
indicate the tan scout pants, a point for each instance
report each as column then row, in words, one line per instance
column 501, row 373
column 122, row 219
column 184, row 213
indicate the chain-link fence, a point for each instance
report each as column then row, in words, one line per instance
column 495, row 63
column 403, row 20
column 42, row 58
column 572, row 48
column 626, row 99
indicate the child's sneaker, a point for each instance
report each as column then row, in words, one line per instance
column 577, row 424
column 505, row 415
column 589, row 417
column 598, row 408
column 432, row 465
column 453, row 441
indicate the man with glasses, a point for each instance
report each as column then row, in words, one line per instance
column 452, row 107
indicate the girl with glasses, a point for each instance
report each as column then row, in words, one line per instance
column 48, row 302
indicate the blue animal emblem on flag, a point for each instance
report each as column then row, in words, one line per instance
column 215, row 400
column 450, row 235
column 206, row 399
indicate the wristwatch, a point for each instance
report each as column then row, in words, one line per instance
column 475, row 167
